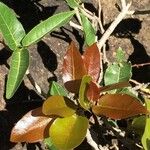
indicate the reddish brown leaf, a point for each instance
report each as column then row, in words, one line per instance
column 114, row 86
column 93, row 92
column 32, row 127
column 73, row 86
column 119, row 106
column 73, row 67
column 91, row 58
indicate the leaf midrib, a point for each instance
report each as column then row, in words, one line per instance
column 17, row 74
column 44, row 22
column 113, row 108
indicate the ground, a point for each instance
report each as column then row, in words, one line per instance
column 47, row 56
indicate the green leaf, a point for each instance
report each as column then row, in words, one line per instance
column 58, row 106
column 19, row 65
column 146, row 136
column 57, row 89
column 121, row 71
column 138, row 125
column 128, row 90
column 89, row 32
column 49, row 144
column 73, row 3
column 118, row 73
column 84, row 102
column 47, row 26
column 120, row 55
column 10, row 27
column 67, row 133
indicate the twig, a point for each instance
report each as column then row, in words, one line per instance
column 141, row 86
column 105, row 60
column 102, row 70
column 141, row 65
column 78, row 15
column 99, row 17
column 113, row 25
column 102, row 31
column 87, row 11
column 139, row 146
column 141, row 12
column 114, row 144
column 95, row 22
column 103, row 148
column 35, row 85
column 91, row 16
column 135, row 82
column 119, row 132
column 123, row 3
column 90, row 141
column 74, row 25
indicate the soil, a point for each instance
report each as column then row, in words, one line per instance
column 132, row 35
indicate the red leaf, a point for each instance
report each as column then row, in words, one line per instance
column 73, row 86
column 119, row 106
column 91, row 58
column 93, row 92
column 73, row 67
column 32, row 127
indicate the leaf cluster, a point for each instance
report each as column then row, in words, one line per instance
column 18, row 41
column 65, row 117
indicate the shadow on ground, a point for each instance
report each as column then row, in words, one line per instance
column 30, row 12
column 23, row 101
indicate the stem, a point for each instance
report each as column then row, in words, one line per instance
column 90, row 141
column 135, row 82
column 141, row 12
column 74, row 25
column 35, row 85
column 113, row 25
column 141, row 65
column 123, row 3
column 78, row 15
